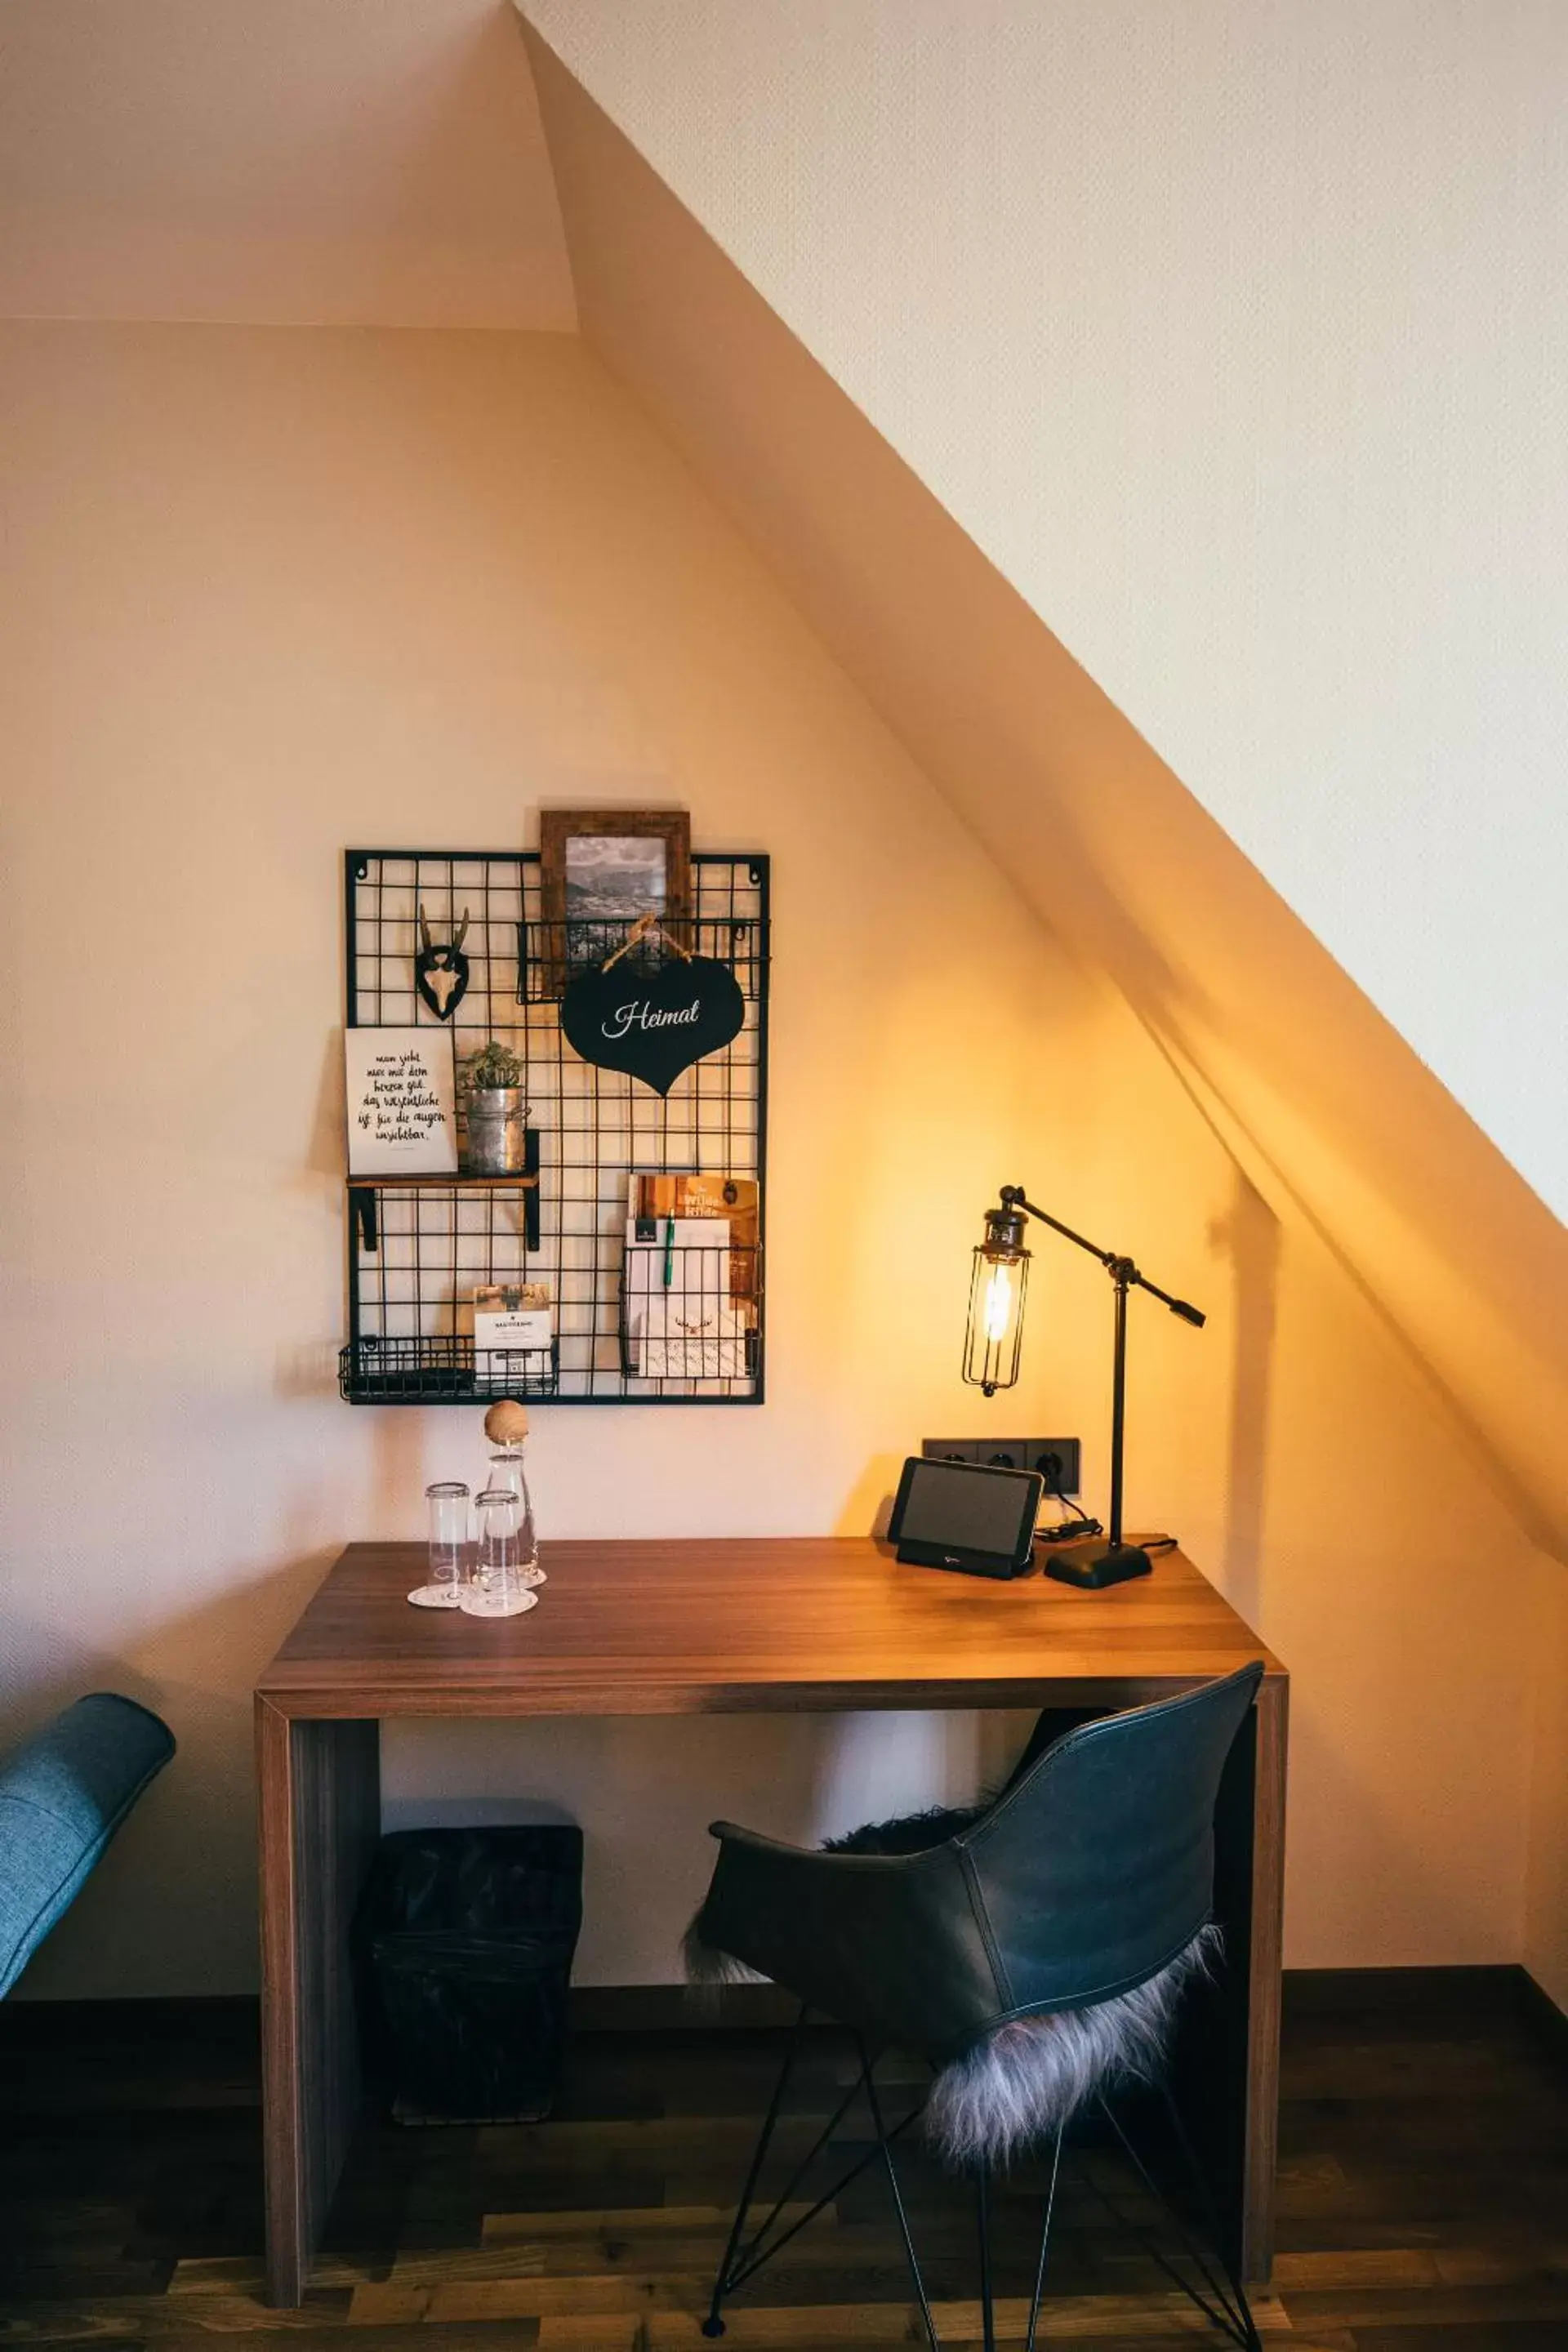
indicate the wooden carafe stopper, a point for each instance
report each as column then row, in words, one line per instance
column 506, row 1424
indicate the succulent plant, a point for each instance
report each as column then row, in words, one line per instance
column 488, row 1067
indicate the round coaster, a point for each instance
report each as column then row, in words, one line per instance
column 436, row 1596
column 475, row 1604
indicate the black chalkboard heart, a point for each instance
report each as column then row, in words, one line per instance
column 653, row 1020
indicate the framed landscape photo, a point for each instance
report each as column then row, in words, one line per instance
column 600, row 869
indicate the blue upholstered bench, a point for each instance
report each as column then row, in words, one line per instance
column 62, row 1796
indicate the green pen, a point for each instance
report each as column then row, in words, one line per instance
column 669, row 1253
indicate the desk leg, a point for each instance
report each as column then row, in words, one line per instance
column 1266, row 1962
column 320, row 1792
column 1226, row 2067
column 1226, row 2064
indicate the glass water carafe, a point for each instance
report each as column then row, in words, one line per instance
column 507, row 1474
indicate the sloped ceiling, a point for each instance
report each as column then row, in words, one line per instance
column 1232, row 334
column 1323, row 1103
column 351, row 162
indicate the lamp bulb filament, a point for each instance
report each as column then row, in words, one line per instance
column 998, row 1310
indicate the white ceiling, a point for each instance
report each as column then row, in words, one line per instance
column 288, row 162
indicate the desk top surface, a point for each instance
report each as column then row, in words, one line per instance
column 689, row 1625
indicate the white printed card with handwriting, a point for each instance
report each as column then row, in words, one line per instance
column 401, row 1098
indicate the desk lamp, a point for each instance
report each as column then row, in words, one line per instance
column 995, row 1341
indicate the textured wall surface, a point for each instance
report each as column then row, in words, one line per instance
column 1366, row 1198
column 1546, row 1884
column 274, row 593
column 365, row 162
column 282, row 591
column 279, row 591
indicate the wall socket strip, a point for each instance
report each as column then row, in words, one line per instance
column 1057, row 1459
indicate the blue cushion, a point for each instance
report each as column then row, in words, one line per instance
column 62, row 1797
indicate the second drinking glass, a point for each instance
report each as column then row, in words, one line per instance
column 500, row 1582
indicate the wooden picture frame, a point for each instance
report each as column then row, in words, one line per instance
column 587, row 913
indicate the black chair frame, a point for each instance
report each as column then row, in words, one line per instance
column 1221, row 2300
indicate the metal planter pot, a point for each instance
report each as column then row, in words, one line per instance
column 497, row 1120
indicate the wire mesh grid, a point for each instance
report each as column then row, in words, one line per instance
column 650, row 1314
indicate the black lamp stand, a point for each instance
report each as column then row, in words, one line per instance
column 1095, row 1562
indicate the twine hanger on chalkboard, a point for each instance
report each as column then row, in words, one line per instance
column 644, row 928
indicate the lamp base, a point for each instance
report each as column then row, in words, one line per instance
column 1091, row 1563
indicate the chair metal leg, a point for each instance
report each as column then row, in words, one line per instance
column 1232, row 2318
column 714, row 2325
column 741, row 2259
column 1199, row 2179
column 1045, row 2238
column 885, row 2142
column 982, row 2230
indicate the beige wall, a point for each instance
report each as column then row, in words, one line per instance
column 1422, row 1284
column 272, row 593
column 280, row 591
column 1546, row 1888
column 1233, row 336
column 1326, row 1111
column 372, row 162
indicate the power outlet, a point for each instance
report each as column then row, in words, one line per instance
column 1057, row 1459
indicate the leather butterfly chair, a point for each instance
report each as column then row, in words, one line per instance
column 1032, row 1951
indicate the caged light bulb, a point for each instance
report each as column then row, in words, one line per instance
column 996, row 1305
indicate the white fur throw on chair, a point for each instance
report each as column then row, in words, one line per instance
column 1023, row 2082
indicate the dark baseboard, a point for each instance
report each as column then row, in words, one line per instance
column 1551, row 2023
column 1429, row 1998
column 1424, row 1993
column 235, row 2020
column 662, row 2009
column 212, row 2019
column 1426, row 1997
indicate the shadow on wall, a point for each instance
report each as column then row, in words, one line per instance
column 801, row 1777
column 1250, row 1237
column 193, row 1837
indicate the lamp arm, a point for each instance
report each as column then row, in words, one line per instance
column 1012, row 1196
column 1182, row 1306
column 1122, row 1270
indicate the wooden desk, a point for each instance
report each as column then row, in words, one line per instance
column 688, row 1627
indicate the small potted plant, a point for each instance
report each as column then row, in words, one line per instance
column 495, row 1115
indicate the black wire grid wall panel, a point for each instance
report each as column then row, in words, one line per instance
column 418, row 1249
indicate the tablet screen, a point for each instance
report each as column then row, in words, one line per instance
column 967, row 1509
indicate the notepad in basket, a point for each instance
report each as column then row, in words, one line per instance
column 680, row 1338
column 654, row 1196
column 512, row 1315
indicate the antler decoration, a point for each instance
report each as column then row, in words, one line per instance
column 441, row 969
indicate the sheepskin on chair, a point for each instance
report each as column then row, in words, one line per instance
column 1025, row 2080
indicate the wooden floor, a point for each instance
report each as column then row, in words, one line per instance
column 1423, row 2200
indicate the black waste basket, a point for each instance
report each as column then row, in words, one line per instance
column 465, row 1940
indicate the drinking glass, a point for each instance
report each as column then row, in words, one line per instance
column 499, row 1587
column 449, row 1541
